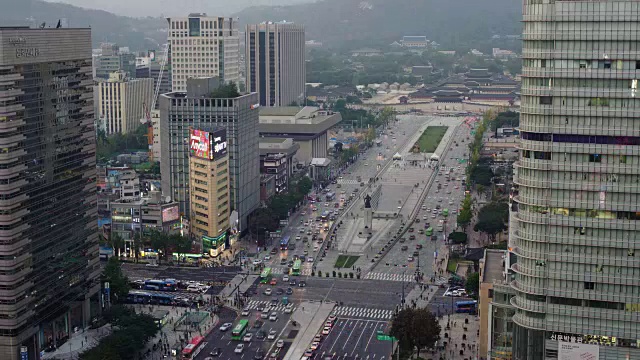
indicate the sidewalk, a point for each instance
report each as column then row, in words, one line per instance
column 84, row 340
column 310, row 316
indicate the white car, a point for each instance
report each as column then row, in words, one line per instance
column 298, row 237
column 285, row 278
column 245, row 312
column 257, row 261
column 280, row 343
column 267, row 257
column 310, row 259
column 247, row 337
column 268, row 291
column 272, row 335
column 226, row 326
column 288, row 309
column 239, row 349
column 273, row 316
column 425, row 217
column 326, row 330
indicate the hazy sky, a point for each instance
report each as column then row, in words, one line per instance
column 138, row 8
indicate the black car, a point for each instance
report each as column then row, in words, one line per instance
column 216, row 352
column 292, row 282
column 290, row 264
column 259, row 355
column 280, row 291
column 261, row 335
column 302, row 284
column 258, row 324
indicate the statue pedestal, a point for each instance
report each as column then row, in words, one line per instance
column 368, row 221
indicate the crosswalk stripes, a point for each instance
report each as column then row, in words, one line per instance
column 254, row 304
column 389, row 277
column 359, row 312
column 348, row 182
column 282, row 271
column 441, row 280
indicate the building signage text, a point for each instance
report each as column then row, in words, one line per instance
column 27, row 53
column 18, row 40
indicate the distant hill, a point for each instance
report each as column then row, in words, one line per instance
column 157, row 8
column 138, row 34
column 444, row 21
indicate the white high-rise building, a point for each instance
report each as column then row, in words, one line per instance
column 203, row 46
column 121, row 102
column 275, row 62
column 575, row 220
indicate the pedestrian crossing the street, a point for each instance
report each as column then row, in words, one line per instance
column 358, row 312
column 254, row 304
column 389, row 277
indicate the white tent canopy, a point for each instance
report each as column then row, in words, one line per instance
column 397, row 156
column 435, row 157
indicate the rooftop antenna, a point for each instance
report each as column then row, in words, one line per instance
column 59, row 25
column 43, row 25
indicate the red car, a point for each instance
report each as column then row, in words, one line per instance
column 273, row 281
column 410, row 229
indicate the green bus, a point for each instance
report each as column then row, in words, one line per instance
column 238, row 331
column 429, row 231
column 295, row 270
column 445, row 212
column 265, row 276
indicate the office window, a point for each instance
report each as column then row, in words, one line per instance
column 589, row 285
column 546, row 100
column 595, row 158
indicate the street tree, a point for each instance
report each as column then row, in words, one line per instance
column 262, row 220
column 116, row 241
column 492, row 219
column 458, row 237
column 160, row 241
column 181, row 244
column 137, row 244
column 118, row 282
column 415, row 328
column 304, row 185
column 472, row 284
column 465, row 215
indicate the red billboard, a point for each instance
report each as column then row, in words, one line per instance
column 200, row 144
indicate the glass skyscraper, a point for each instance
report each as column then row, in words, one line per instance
column 576, row 212
column 49, row 266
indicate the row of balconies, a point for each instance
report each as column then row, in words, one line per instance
column 577, row 129
column 572, row 221
column 576, row 203
column 577, row 73
column 585, row 185
column 552, row 237
column 9, row 78
column 522, row 319
column 550, row 15
column 592, row 111
column 578, row 92
column 588, row 167
column 581, row 35
column 579, row 148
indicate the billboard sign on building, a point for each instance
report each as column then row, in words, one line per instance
column 200, row 144
column 219, row 143
column 170, row 214
column 577, row 351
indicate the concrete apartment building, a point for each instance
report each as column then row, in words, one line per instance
column 203, row 46
column 48, row 241
column 122, row 101
column 195, row 108
column 275, row 62
column 576, row 218
column 277, row 158
column 209, row 189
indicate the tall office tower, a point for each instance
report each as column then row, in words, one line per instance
column 49, row 237
column 275, row 62
column 113, row 59
column 577, row 206
column 197, row 108
column 203, row 46
column 210, row 201
column 122, row 102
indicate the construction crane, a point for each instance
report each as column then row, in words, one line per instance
column 146, row 109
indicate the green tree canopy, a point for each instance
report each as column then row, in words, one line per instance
column 482, row 174
column 492, row 218
column 458, row 237
column 465, row 215
column 226, row 91
column 472, row 284
column 415, row 328
column 118, row 282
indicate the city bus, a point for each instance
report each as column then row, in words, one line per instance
column 445, row 212
column 238, row 331
column 429, row 231
column 144, row 297
column 265, row 276
column 193, row 348
column 331, row 196
column 325, row 215
column 295, row 270
column 284, row 242
column 470, row 307
column 160, row 285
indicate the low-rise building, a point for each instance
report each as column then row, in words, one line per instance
column 267, row 186
column 307, row 127
column 495, row 307
column 141, row 215
column 368, row 52
column 414, row 41
column 277, row 157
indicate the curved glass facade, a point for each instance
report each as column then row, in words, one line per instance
column 576, row 215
